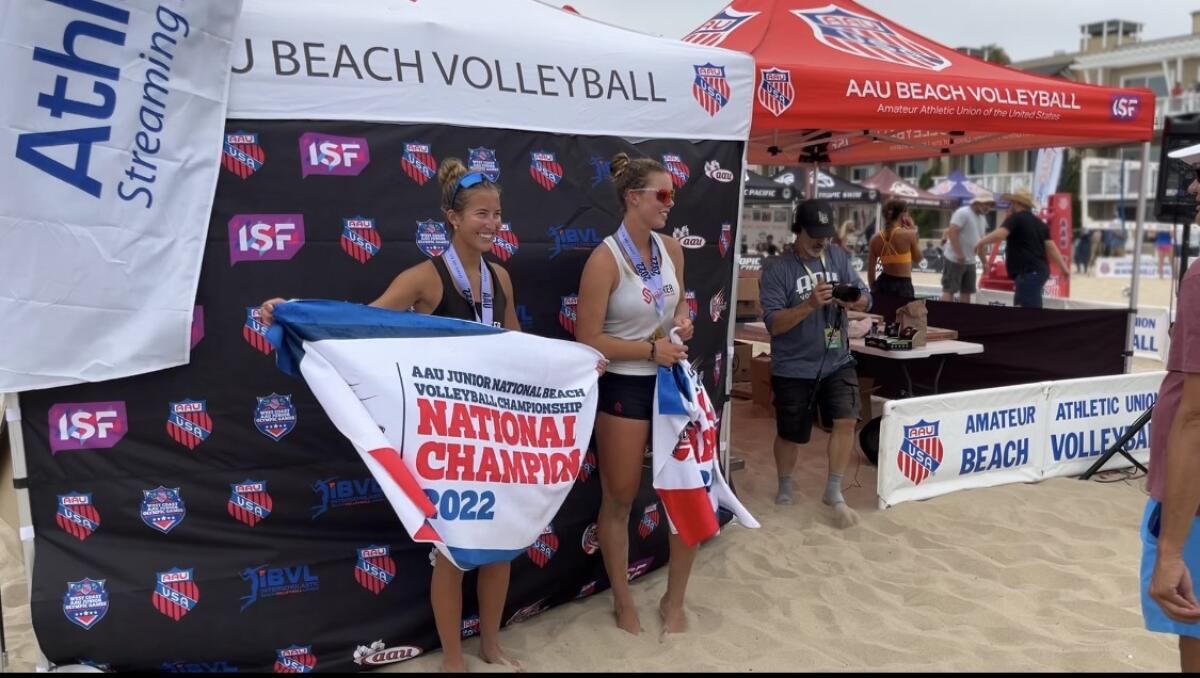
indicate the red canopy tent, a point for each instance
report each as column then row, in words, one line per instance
column 838, row 83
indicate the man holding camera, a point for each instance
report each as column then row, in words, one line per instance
column 805, row 294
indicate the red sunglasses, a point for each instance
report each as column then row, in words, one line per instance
column 664, row 195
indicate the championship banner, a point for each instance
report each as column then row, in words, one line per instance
column 111, row 146
column 687, row 472
column 1086, row 416
column 938, row 444
column 474, row 433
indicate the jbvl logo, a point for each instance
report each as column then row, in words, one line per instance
column 86, row 426
column 337, row 493
column 272, row 582
column 572, row 239
column 329, row 155
column 265, row 237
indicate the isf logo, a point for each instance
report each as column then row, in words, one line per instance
column 329, row 155
column 86, row 426
column 265, row 237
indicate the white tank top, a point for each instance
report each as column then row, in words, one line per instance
column 632, row 314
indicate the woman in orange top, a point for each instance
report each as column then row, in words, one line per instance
column 896, row 247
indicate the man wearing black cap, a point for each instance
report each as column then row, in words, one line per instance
column 1171, row 525
column 810, row 351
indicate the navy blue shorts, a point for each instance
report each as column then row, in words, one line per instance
column 627, row 395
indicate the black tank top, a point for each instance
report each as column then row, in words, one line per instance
column 454, row 305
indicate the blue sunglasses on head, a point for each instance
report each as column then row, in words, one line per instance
column 467, row 181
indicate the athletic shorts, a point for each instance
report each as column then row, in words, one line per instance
column 1155, row 619
column 627, row 395
column 958, row 277
column 797, row 402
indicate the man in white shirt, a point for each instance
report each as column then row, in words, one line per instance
column 967, row 226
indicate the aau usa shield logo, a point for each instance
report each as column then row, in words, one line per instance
column 775, row 91
column 505, row 243
column 677, row 168
column 545, row 170
column 163, row 508
column 483, row 160
column 432, row 238
column 566, row 313
column 188, row 422
column 714, row 31
column 418, row 162
column 649, row 521
column 375, row 568
column 693, row 305
column 544, row 548
column 588, row 467
column 241, row 154
column 710, row 89
column 255, row 333
column 295, row 659
column 77, row 516
column 921, row 451
column 249, row 502
column 726, row 238
column 869, row 38
column 275, row 416
column 85, row 603
column 360, row 239
column 175, row 593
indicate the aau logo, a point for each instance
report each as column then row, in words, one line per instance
column 775, row 91
column 175, row 593
column 163, row 508
column 188, row 422
column 86, row 602
column 869, row 38
column 77, row 516
column 544, row 548
column 677, row 168
column 714, row 31
column 920, row 451
column 375, row 568
column 649, row 521
column 545, row 170
column 275, row 416
column 710, row 89
column 241, row 154
column 505, row 243
column 418, row 162
column 249, row 502
column 255, row 332
column 360, row 238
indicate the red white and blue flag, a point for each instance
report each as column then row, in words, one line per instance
column 493, row 424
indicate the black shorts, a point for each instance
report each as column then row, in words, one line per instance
column 796, row 404
column 893, row 286
column 627, row 395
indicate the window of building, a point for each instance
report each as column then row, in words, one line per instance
column 1156, row 83
column 909, row 171
column 781, row 216
column 861, row 172
column 1030, row 161
column 984, row 163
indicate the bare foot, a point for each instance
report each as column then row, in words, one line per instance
column 673, row 619
column 627, row 619
column 844, row 516
column 454, row 664
column 492, row 654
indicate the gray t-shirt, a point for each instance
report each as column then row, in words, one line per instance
column 787, row 281
column 971, row 228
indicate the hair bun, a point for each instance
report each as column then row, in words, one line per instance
column 450, row 171
column 618, row 164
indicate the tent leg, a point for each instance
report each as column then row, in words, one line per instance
column 1138, row 231
column 11, row 410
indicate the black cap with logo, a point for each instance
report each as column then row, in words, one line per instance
column 815, row 218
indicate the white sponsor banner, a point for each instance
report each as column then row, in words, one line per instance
column 938, row 444
column 541, row 69
column 1086, row 416
column 111, row 137
column 1046, row 173
column 1122, row 267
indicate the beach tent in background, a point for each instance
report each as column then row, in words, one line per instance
column 957, row 187
column 838, row 83
column 830, row 187
column 759, row 190
column 892, row 187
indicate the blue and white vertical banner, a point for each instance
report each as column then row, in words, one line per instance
column 940, row 444
column 110, row 142
column 1086, row 416
column 1046, row 173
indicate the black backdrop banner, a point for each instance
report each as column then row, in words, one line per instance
column 210, row 517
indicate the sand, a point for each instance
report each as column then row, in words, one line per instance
column 1034, row 577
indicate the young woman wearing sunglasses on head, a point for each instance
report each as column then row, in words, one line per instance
column 442, row 287
column 630, row 298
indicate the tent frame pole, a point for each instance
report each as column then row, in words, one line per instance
column 1138, row 232
column 10, row 410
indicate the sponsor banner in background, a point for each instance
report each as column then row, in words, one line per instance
column 1086, row 416
column 1122, row 267
column 495, row 424
column 939, row 444
column 115, row 113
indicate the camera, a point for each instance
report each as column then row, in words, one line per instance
column 847, row 293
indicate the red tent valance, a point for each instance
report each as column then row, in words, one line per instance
column 835, row 73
